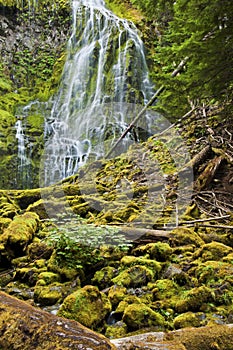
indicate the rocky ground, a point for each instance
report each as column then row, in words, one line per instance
column 109, row 248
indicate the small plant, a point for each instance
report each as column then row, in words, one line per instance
column 78, row 246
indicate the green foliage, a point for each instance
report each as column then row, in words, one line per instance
column 80, row 246
column 201, row 30
column 160, row 11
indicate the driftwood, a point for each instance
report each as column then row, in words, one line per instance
column 216, row 337
column 25, row 327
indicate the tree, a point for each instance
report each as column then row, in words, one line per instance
column 201, row 30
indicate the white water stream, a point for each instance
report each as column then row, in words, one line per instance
column 105, row 70
column 105, row 82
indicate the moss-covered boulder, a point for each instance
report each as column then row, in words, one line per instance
column 116, row 294
column 29, row 274
column 213, row 272
column 128, row 261
column 165, row 290
column 48, row 294
column 213, row 251
column 65, row 271
column 189, row 319
column 135, row 276
column 138, row 316
column 117, row 330
column 159, row 251
column 17, row 236
column 185, row 236
column 87, row 305
column 195, row 299
column 103, row 278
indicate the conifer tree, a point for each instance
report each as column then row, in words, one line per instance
column 203, row 31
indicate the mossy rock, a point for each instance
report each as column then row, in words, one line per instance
column 135, row 276
column 138, row 316
column 28, row 274
column 195, row 299
column 228, row 258
column 4, row 223
column 129, row 261
column 159, row 251
column 129, row 299
column 8, row 208
column 190, row 319
column 213, row 251
column 166, row 290
column 116, row 294
column 212, row 272
column 39, row 250
column 87, row 305
column 19, row 234
column 48, row 295
column 39, row 208
column 26, row 197
column 185, row 236
column 103, row 277
column 117, row 330
column 49, row 277
column 66, row 272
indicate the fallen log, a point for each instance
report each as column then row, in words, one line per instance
column 215, row 337
column 25, row 327
column 135, row 234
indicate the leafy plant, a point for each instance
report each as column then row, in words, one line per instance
column 79, row 246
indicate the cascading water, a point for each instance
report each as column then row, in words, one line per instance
column 23, row 177
column 104, row 74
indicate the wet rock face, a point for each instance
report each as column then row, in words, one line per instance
column 24, row 34
column 25, row 327
column 32, row 46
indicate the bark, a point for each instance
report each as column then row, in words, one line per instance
column 216, row 337
column 23, row 326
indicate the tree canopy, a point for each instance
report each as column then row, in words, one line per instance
column 203, row 31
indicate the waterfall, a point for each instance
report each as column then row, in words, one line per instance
column 104, row 75
column 23, row 171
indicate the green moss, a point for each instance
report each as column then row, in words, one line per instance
column 4, row 223
column 87, row 305
column 66, row 272
column 138, row 316
column 128, row 261
column 125, row 10
column 117, row 330
column 19, row 234
column 116, row 294
column 49, row 277
column 165, row 289
column 48, row 295
column 159, row 251
column 185, row 236
column 213, row 272
column 213, row 251
column 135, row 276
column 103, row 277
column 189, row 319
column 194, row 299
